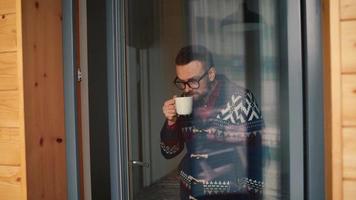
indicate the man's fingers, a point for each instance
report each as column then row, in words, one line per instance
column 169, row 112
column 169, row 102
column 170, row 107
column 172, row 112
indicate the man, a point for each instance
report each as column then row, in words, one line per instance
column 222, row 135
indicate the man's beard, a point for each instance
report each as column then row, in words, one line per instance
column 200, row 98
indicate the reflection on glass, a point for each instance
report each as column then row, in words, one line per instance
column 222, row 134
column 223, row 54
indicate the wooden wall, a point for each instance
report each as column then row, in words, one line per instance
column 348, row 96
column 44, row 99
column 340, row 97
column 12, row 147
column 31, row 101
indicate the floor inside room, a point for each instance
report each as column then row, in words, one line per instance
column 166, row 188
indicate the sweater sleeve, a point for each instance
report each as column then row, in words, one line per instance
column 172, row 142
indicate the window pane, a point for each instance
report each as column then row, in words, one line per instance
column 228, row 146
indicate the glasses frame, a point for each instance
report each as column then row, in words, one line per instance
column 190, row 80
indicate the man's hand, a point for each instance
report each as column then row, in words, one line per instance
column 169, row 111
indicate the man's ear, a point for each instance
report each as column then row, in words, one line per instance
column 212, row 74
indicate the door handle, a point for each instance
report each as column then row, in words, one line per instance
column 140, row 163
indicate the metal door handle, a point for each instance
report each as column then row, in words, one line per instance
column 140, row 163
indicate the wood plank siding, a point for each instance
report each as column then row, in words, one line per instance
column 8, row 35
column 349, row 189
column 348, row 8
column 32, row 134
column 8, row 71
column 349, row 99
column 340, row 98
column 348, row 46
column 349, row 152
column 12, row 146
column 32, row 130
column 10, row 183
column 44, row 99
column 7, row 6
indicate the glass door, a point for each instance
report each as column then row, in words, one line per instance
column 209, row 100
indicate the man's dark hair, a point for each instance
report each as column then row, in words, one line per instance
column 194, row 52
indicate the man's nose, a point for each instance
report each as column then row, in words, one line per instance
column 187, row 88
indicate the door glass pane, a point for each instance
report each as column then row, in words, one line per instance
column 222, row 56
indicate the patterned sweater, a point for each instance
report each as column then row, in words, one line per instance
column 223, row 141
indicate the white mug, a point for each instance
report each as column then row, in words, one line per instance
column 184, row 105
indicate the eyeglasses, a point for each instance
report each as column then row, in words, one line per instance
column 192, row 83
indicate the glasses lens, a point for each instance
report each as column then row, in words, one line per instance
column 194, row 84
column 180, row 85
